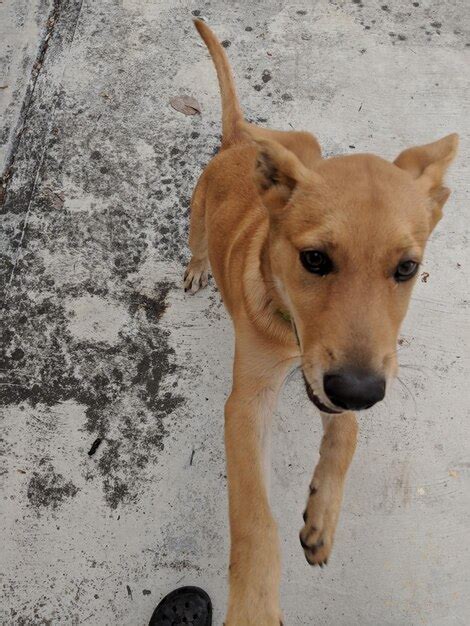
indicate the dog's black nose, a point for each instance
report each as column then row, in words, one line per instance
column 354, row 389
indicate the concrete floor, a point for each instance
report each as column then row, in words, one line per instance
column 101, row 342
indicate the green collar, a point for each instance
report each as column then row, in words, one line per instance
column 284, row 314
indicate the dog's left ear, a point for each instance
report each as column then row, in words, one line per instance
column 428, row 165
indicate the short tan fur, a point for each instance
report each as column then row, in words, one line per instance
column 315, row 260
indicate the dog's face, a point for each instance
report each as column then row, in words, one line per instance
column 345, row 250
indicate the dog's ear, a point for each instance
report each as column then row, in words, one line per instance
column 275, row 165
column 428, row 165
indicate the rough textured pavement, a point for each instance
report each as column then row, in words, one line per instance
column 102, row 345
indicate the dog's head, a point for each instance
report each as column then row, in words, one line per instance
column 346, row 243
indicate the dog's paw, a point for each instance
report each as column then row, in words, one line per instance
column 196, row 276
column 321, row 517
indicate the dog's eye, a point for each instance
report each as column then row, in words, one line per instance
column 316, row 262
column 405, row 271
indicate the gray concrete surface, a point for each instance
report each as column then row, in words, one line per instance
column 23, row 30
column 102, row 343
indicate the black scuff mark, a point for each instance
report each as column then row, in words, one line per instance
column 94, row 446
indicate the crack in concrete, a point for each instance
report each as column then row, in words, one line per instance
column 22, row 124
column 27, row 101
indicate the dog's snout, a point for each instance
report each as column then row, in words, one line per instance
column 354, row 389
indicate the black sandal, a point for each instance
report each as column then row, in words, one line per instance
column 189, row 606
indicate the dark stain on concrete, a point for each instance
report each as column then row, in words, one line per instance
column 116, row 491
column 180, row 565
column 123, row 387
column 46, row 363
column 153, row 307
column 48, row 489
column 266, row 76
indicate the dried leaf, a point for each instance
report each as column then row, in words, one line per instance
column 186, row 104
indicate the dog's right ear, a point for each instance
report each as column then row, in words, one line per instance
column 275, row 166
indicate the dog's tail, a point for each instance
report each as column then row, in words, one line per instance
column 231, row 112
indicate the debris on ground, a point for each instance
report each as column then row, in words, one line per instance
column 94, row 446
column 186, row 105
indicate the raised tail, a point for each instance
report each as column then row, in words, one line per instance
column 231, row 112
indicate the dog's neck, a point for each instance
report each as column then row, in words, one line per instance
column 274, row 298
column 262, row 290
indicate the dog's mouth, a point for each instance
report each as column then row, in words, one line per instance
column 317, row 402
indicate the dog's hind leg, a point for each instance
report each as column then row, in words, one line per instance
column 197, row 271
column 326, row 488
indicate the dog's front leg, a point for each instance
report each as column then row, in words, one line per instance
column 326, row 488
column 254, row 555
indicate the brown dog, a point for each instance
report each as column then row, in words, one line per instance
column 315, row 260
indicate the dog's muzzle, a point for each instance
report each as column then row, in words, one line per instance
column 354, row 389
column 316, row 400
